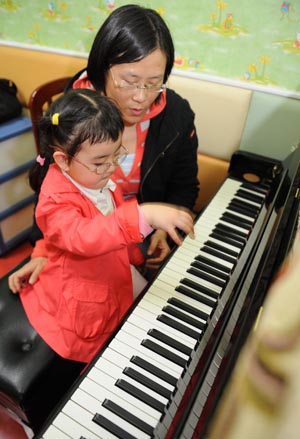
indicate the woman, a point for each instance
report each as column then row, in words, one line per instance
column 130, row 61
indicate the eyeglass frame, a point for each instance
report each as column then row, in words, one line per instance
column 133, row 87
column 105, row 165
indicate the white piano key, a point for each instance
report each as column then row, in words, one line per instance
column 93, row 406
column 176, row 273
column 146, row 320
column 120, row 349
column 177, row 267
column 115, row 358
column 106, row 366
column 97, row 391
column 157, row 310
column 74, row 429
column 221, row 205
column 161, row 302
column 117, row 373
column 108, row 383
column 168, row 278
column 141, row 334
column 253, row 203
column 134, row 343
column 200, row 252
column 128, row 352
column 241, row 215
column 84, row 417
column 217, row 259
column 201, row 241
column 160, row 290
column 54, row 433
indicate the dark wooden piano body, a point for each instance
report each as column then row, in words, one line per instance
column 189, row 408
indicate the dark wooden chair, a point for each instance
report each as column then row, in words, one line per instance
column 41, row 98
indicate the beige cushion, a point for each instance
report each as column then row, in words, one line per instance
column 221, row 112
column 211, row 174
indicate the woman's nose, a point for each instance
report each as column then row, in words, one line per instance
column 140, row 94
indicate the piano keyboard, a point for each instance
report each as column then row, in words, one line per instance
column 133, row 389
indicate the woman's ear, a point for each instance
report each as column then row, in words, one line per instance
column 61, row 159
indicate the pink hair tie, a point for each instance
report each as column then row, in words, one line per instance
column 40, row 160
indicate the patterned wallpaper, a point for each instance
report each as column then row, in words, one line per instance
column 255, row 43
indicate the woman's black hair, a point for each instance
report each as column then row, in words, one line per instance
column 80, row 115
column 129, row 34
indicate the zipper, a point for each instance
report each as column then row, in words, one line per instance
column 161, row 155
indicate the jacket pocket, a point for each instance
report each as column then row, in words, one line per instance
column 93, row 311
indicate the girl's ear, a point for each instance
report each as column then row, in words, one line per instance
column 61, row 160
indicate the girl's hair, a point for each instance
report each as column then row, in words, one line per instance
column 75, row 117
column 128, row 35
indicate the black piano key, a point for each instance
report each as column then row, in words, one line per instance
column 243, row 208
column 238, row 234
column 189, row 308
column 256, row 187
column 160, row 350
column 227, row 240
column 144, row 364
column 142, row 379
column 214, row 264
column 221, row 248
column 112, row 427
column 228, row 218
column 206, row 295
column 209, row 270
column 139, row 394
column 239, row 220
column 207, row 277
column 184, row 317
column 155, row 333
column 218, row 254
column 127, row 416
column 179, row 326
column 249, row 196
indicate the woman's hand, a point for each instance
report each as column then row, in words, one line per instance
column 158, row 249
column 28, row 273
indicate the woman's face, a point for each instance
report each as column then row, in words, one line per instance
column 134, row 102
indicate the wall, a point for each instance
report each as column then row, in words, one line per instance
column 254, row 43
column 255, row 50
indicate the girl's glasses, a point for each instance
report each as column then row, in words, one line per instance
column 133, row 86
column 117, row 160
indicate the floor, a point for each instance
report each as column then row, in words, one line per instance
column 9, row 428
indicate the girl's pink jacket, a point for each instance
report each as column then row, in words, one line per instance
column 85, row 287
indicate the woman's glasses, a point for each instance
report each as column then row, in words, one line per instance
column 133, row 86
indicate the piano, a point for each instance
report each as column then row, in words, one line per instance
column 164, row 369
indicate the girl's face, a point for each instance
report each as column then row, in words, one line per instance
column 122, row 80
column 93, row 165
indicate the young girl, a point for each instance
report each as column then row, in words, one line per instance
column 90, row 232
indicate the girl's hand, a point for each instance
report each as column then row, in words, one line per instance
column 168, row 217
column 28, row 273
